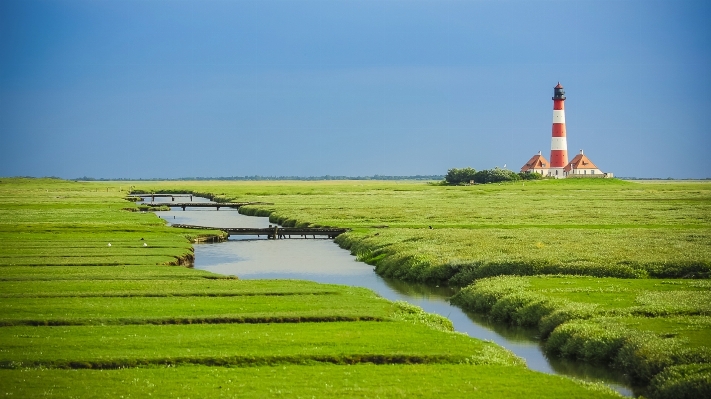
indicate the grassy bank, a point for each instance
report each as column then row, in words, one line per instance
column 80, row 318
column 645, row 327
column 461, row 256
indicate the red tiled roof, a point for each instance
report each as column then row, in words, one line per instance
column 581, row 161
column 537, row 162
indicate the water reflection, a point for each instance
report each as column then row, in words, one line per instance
column 321, row 260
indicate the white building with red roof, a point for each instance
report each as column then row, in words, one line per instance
column 581, row 165
column 537, row 164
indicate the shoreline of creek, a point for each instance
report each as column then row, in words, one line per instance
column 524, row 342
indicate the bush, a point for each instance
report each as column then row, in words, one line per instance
column 530, row 176
column 466, row 175
column 495, row 175
column 460, row 176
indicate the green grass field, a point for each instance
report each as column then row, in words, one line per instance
column 317, row 381
column 632, row 237
column 595, row 227
column 79, row 318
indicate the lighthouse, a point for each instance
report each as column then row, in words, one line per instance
column 559, row 144
column 559, row 167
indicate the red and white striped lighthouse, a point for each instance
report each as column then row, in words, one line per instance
column 559, row 145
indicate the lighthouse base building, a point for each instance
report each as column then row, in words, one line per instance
column 580, row 166
column 559, row 167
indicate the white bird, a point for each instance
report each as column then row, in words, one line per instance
column 109, row 244
column 145, row 245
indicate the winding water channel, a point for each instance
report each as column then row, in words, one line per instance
column 321, row 260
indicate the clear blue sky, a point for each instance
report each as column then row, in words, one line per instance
column 151, row 88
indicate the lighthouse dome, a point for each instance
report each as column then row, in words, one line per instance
column 558, row 92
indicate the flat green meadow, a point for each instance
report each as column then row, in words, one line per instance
column 355, row 381
column 628, row 263
column 82, row 318
column 600, row 227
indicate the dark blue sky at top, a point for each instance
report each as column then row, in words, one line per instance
column 308, row 88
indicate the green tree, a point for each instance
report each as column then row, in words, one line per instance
column 495, row 175
column 530, row 176
column 458, row 176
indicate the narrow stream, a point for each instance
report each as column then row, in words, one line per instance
column 321, row 260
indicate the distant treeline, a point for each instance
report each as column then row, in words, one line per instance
column 468, row 175
column 257, row 177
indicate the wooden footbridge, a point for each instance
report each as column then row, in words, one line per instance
column 172, row 196
column 217, row 205
column 273, row 232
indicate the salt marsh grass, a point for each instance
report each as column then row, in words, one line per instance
column 332, row 381
column 244, row 345
column 162, row 286
column 68, row 300
column 641, row 326
column 146, row 308
column 574, row 203
column 96, row 273
column 460, row 256
column 619, row 242
column 582, row 227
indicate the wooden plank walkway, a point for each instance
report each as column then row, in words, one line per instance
column 161, row 195
column 217, row 205
column 153, row 196
column 273, row 232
